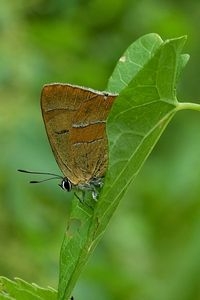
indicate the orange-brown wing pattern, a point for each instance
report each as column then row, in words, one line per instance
column 75, row 120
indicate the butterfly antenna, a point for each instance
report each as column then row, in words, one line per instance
column 39, row 181
column 55, row 176
column 40, row 173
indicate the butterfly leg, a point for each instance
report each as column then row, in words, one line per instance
column 83, row 196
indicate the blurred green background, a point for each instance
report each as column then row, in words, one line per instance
column 151, row 250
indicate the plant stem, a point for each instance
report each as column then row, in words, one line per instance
column 188, row 105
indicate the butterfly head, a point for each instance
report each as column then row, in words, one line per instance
column 93, row 185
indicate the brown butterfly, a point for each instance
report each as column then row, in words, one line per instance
column 75, row 121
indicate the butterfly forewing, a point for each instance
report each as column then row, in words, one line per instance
column 75, row 121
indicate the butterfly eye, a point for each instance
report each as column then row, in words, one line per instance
column 66, row 184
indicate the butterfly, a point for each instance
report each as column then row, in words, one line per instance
column 75, row 121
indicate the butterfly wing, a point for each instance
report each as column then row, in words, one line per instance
column 75, row 120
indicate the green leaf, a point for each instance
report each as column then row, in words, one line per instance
column 22, row 290
column 138, row 118
column 133, row 60
column 146, row 77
